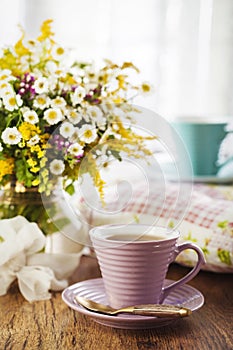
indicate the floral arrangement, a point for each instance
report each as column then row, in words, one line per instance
column 55, row 110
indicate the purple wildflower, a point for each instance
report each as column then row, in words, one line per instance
column 25, row 86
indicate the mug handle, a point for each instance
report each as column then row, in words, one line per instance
column 191, row 274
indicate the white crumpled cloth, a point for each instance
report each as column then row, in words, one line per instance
column 21, row 243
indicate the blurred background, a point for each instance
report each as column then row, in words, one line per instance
column 184, row 47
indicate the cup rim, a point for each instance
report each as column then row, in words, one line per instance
column 201, row 120
column 97, row 233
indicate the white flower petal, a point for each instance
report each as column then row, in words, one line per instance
column 53, row 115
column 57, row 167
column 66, row 129
column 87, row 133
column 11, row 136
column 75, row 149
column 31, row 117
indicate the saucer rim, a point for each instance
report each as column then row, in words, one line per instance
column 124, row 321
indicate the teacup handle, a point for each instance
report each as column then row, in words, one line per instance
column 191, row 274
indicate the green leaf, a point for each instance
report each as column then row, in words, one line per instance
column 224, row 256
column 116, row 154
column 70, row 189
column 223, row 224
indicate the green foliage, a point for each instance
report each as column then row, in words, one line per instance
column 225, row 256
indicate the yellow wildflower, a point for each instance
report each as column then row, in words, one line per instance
column 35, row 148
column 118, row 100
column 46, row 32
column 6, row 167
column 44, row 140
column 121, row 82
column 36, row 182
column 20, row 49
column 44, row 173
column 9, row 61
column 130, row 65
column 28, row 130
column 35, row 169
column 43, row 162
column 40, row 154
column 31, row 162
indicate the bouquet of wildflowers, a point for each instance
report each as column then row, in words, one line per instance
column 55, row 110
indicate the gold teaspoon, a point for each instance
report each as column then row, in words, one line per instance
column 156, row 310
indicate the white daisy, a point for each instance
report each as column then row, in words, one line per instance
column 31, row 117
column 75, row 149
column 75, row 136
column 58, row 102
column 51, row 66
column 52, row 82
column 11, row 136
column 95, row 112
column 30, row 44
column 73, row 115
column 41, row 85
column 36, row 49
column 78, row 95
column 5, row 88
column 24, row 109
column 96, row 115
column 41, row 102
column 34, row 140
column 53, row 116
column 58, row 52
column 6, row 76
column 87, row 133
column 66, row 129
column 1, row 148
column 12, row 102
column 57, row 167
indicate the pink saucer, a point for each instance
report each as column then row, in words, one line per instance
column 185, row 295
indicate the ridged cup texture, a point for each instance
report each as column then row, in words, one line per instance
column 134, row 272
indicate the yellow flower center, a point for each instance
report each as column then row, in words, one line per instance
column 88, row 133
column 145, row 87
column 52, row 115
column 60, row 51
column 4, row 85
column 41, row 100
column 72, row 114
column 32, row 42
column 12, row 101
column 12, row 137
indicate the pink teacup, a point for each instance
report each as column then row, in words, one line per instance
column 134, row 260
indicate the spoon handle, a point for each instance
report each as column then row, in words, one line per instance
column 158, row 310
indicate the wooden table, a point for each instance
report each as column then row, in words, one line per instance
column 52, row 325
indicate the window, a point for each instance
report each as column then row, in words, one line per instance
column 184, row 47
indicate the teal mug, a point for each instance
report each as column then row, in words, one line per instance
column 202, row 138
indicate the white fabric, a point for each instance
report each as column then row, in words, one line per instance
column 20, row 258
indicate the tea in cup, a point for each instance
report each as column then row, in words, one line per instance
column 134, row 261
